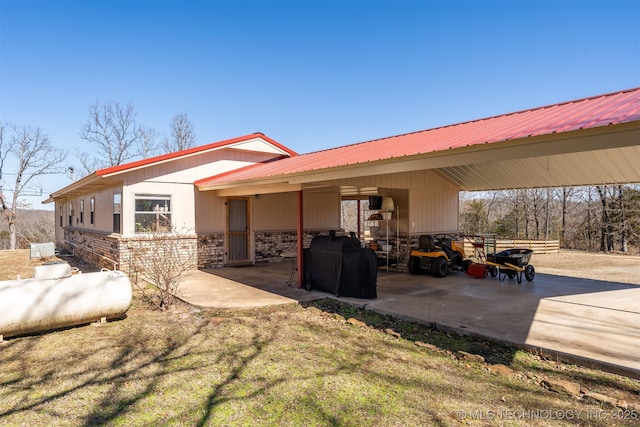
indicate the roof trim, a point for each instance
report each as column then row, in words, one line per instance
column 204, row 181
column 112, row 170
column 74, row 186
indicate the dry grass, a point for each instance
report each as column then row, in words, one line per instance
column 597, row 266
column 17, row 264
column 281, row 366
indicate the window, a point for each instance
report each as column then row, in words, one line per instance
column 152, row 213
column 61, row 215
column 117, row 211
column 70, row 214
column 81, row 211
column 92, row 209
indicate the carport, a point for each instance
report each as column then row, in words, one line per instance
column 591, row 141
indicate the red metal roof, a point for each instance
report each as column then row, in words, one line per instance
column 602, row 110
column 191, row 151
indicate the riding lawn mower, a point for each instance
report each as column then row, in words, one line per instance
column 438, row 254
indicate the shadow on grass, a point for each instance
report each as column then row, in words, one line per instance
column 277, row 366
column 451, row 343
column 493, row 353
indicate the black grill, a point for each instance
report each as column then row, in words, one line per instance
column 339, row 265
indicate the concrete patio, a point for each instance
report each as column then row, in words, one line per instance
column 593, row 322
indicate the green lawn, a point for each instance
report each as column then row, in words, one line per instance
column 283, row 366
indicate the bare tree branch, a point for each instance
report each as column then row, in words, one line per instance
column 113, row 129
column 182, row 134
column 147, row 146
column 34, row 156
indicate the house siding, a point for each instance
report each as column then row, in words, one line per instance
column 210, row 213
column 174, row 177
column 193, row 168
column 182, row 204
column 103, row 214
column 428, row 202
column 280, row 211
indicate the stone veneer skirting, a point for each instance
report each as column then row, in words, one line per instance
column 210, row 251
column 114, row 252
column 100, row 249
column 270, row 244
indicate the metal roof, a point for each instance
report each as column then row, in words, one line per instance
column 594, row 140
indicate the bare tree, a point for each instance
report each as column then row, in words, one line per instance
column 567, row 193
column 34, row 226
column 590, row 218
column 474, row 219
column 623, row 221
column 113, row 129
column 147, row 146
column 182, row 134
column 4, row 149
column 34, row 156
column 606, row 236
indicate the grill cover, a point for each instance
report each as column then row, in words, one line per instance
column 339, row 265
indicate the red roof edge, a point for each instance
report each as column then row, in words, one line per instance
column 254, row 165
column 189, row 151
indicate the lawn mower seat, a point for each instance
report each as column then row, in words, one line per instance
column 425, row 242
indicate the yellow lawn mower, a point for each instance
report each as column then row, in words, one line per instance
column 438, row 254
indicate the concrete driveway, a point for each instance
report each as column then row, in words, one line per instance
column 588, row 321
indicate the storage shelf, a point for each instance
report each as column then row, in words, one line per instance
column 384, row 219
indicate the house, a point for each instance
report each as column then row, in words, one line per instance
column 249, row 199
column 100, row 215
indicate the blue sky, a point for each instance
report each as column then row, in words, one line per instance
column 309, row 74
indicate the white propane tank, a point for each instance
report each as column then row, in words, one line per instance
column 54, row 270
column 34, row 305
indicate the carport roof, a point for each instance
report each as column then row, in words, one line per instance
column 594, row 140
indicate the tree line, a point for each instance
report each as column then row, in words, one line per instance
column 111, row 129
column 595, row 218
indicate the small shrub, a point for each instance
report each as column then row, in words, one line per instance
column 161, row 259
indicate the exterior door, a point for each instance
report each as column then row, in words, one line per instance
column 238, row 230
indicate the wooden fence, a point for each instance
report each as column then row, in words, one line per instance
column 497, row 245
